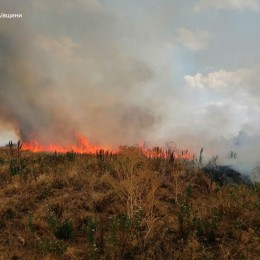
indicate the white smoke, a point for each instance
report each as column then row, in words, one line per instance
column 123, row 72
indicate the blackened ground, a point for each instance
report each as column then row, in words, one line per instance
column 226, row 175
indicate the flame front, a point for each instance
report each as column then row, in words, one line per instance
column 83, row 146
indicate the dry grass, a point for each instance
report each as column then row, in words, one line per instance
column 121, row 207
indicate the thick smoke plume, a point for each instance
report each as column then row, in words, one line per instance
column 123, row 72
column 89, row 86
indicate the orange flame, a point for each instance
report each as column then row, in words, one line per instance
column 83, row 146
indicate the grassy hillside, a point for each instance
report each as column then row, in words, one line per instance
column 124, row 206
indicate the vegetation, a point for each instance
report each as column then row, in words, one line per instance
column 123, row 206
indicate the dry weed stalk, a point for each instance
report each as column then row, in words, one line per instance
column 15, row 149
column 178, row 172
column 150, row 204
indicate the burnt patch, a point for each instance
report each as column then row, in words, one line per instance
column 224, row 174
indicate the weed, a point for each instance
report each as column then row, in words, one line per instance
column 45, row 192
column 9, row 214
column 201, row 157
column 184, row 219
column 31, row 225
column 56, row 209
column 206, row 229
column 119, row 227
column 2, row 161
column 2, row 224
column 56, row 247
column 189, row 191
column 257, row 188
column 52, row 221
column 240, row 224
column 90, row 229
column 257, row 205
column 70, row 156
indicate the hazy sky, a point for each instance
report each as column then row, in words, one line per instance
column 126, row 71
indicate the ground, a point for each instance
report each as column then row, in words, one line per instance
column 123, row 206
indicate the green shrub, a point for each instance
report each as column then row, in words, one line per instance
column 19, row 166
column 61, row 229
column 64, row 230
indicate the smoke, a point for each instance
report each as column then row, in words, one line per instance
column 53, row 87
column 123, row 72
column 247, row 149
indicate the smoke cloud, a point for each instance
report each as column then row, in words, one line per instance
column 123, row 72
column 82, row 81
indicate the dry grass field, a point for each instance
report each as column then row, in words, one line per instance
column 123, row 206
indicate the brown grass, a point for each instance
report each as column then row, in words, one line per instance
column 121, row 207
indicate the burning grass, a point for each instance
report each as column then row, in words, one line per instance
column 126, row 205
column 83, row 145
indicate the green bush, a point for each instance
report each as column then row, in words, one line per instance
column 61, row 229
column 19, row 166
column 64, row 230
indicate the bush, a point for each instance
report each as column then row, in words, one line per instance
column 61, row 229
column 64, row 230
column 19, row 166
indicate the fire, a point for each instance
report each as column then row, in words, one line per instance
column 83, row 146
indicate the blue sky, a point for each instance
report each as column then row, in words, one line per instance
column 186, row 71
